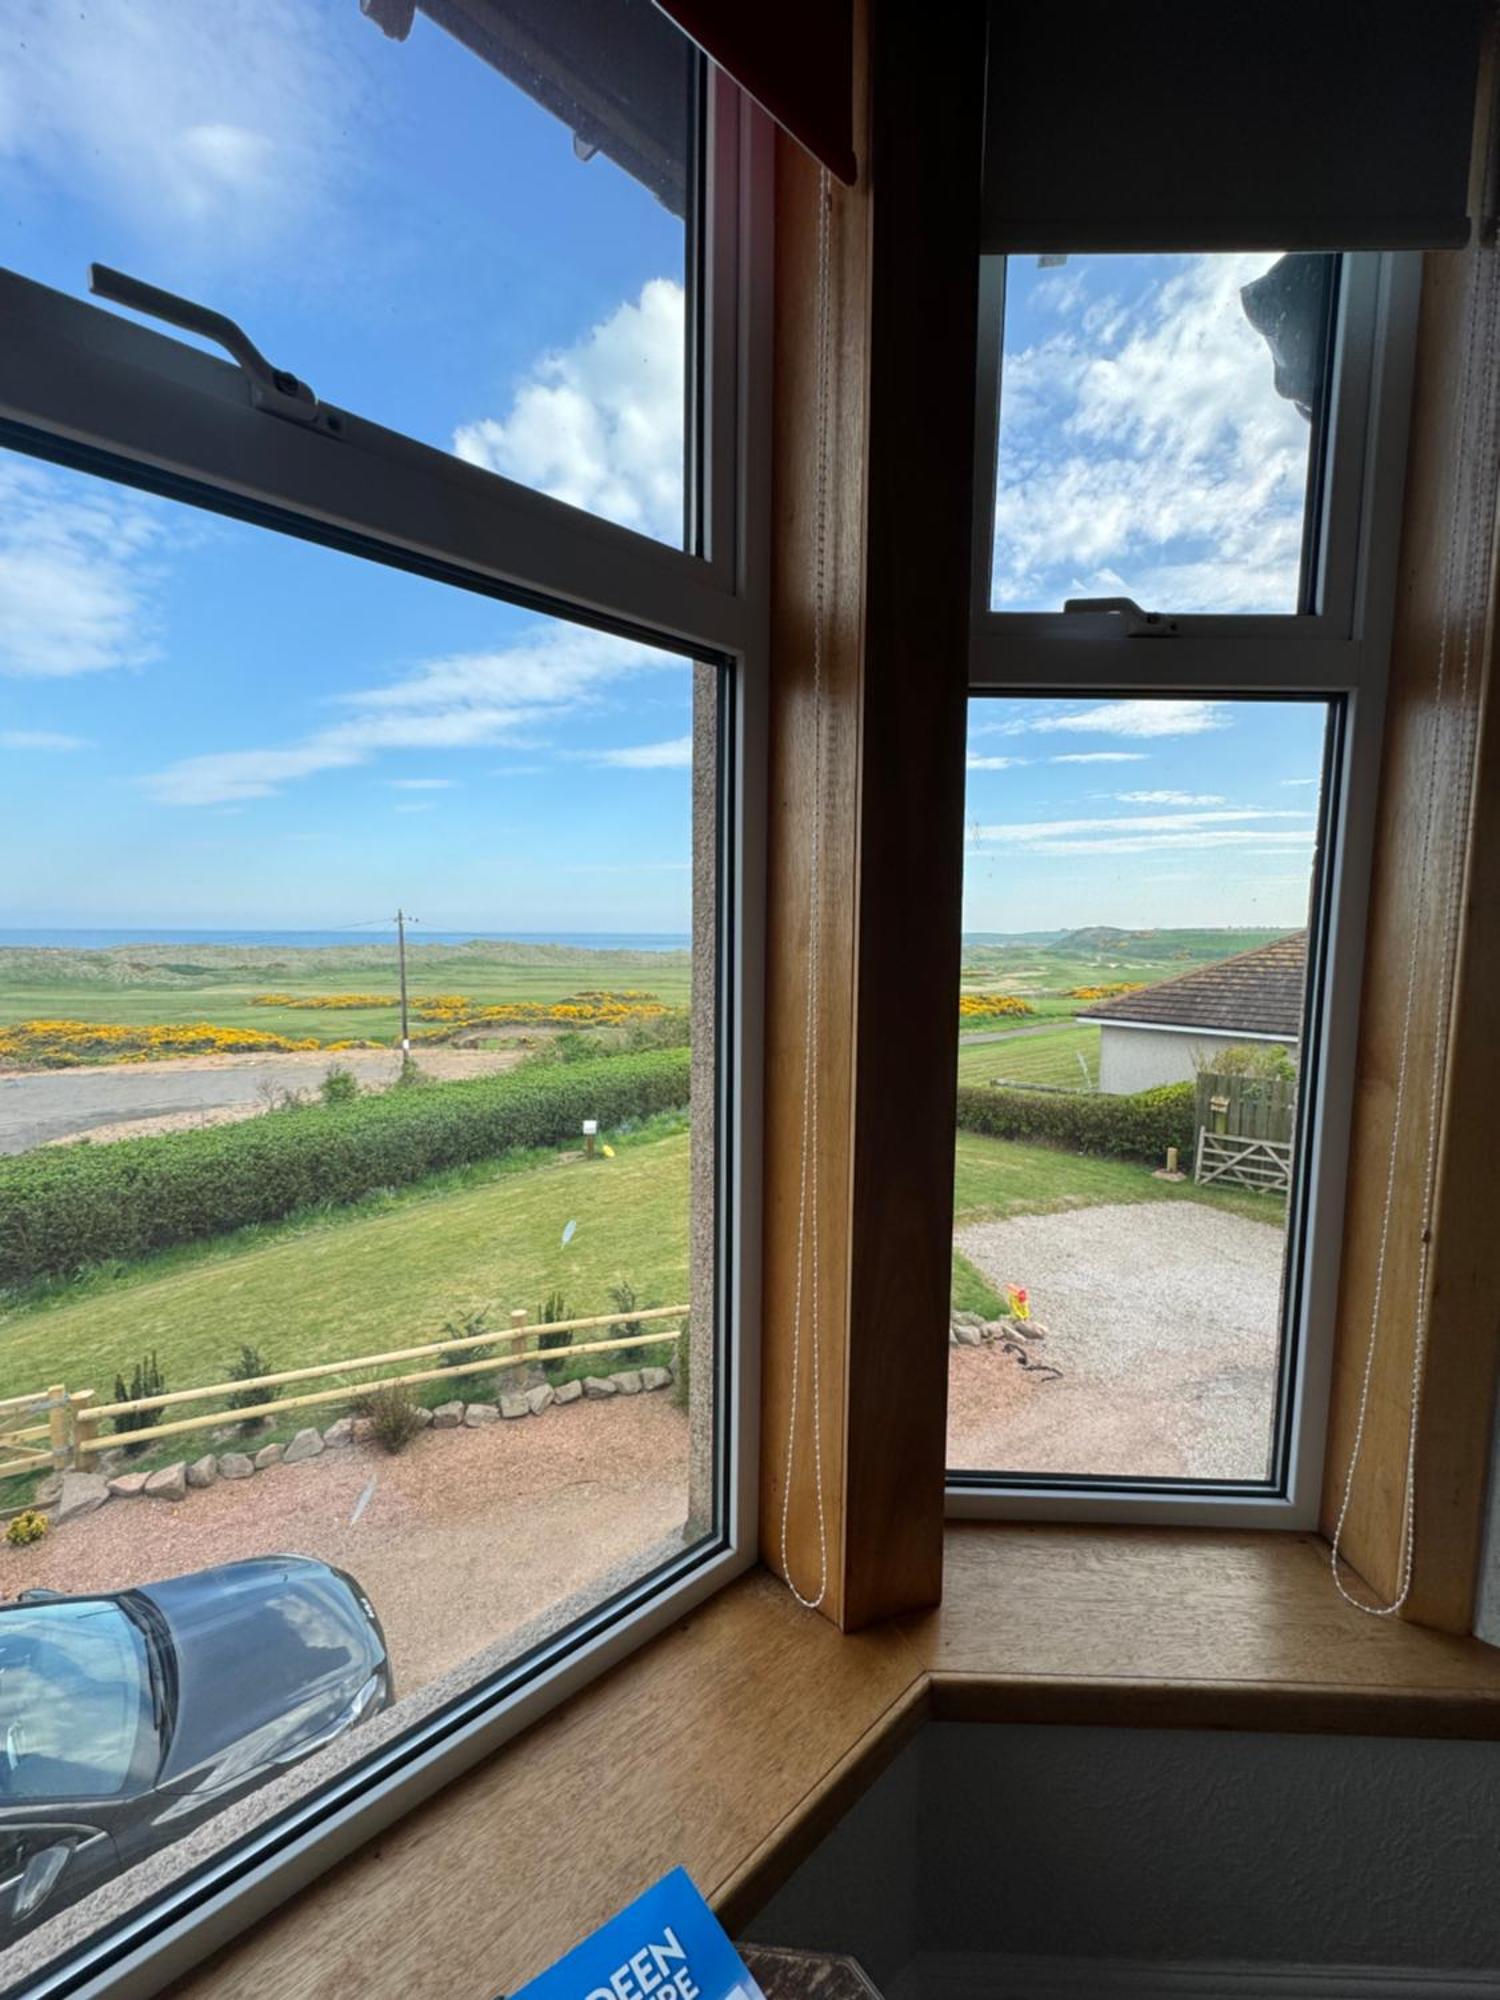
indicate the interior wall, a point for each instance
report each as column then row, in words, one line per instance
column 857, row 1891
column 1161, row 1845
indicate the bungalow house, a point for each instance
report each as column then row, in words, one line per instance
column 1166, row 1033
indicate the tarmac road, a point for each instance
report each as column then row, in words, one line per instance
column 52, row 1104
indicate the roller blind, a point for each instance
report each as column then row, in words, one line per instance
column 1175, row 125
column 795, row 58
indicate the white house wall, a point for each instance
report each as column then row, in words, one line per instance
column 1140, row 1058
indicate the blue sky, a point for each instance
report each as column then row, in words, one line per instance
column 1144, row 450
column 205, row 724
column 1140, row 813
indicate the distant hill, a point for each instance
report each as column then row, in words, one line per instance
column 1169, row 944
column 1095, row 954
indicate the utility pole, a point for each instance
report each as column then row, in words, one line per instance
column 401, row 960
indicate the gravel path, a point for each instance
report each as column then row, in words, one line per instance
column 1164, row 1318
column 468, row 1534
column 39, row 1107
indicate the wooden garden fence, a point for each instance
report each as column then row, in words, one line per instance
column 69, row 1421
column 1246, row 1107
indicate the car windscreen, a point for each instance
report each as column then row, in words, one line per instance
column 75, row 1692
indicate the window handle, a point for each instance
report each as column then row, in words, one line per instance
column 276, row 390
column 1137, row 624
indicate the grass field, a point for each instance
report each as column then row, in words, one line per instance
column 1064, row 1056
column 1102, row 956
column 164, row 984
column 389, row 1273
column 374, row 1276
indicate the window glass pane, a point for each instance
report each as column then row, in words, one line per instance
column 1137, row 895
column 476, row 234
column 1158, row 421
column 230, row 758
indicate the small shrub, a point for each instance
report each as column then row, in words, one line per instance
column 339, row 1086
column 552, row 1309
column 1266, row 1060
column 146, row 1380
column 465, row 1327
column 251, row 1363
column 625, row 1301
column 393, row 1415
column 1137, row 1127
column 28, row 1526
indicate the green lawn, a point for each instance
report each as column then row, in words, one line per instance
column 142, row 985
column 1051, row 1055
column 1002, row 1177
column 388, row 1273
column 359, row 1282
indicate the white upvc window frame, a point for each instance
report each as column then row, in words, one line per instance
column 1339, row 651
column 83, row 386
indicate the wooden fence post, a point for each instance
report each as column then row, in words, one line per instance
column 85, row 1429
column 57, row 1427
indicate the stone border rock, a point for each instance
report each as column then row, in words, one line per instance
column 1015, row 1337
column 80, row 1493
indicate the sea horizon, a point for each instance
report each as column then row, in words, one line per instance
column 84, row 938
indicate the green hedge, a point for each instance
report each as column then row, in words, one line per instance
column 65, row 1207
column 1139, row 1127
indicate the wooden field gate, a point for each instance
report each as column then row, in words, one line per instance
column 1245, row 1127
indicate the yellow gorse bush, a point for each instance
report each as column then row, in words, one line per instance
column 53, row 1044
column 1105, row 992
column 331, row 1002
column 583, row 1010
column 988, row 1006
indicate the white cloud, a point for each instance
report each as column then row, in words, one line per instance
column 1150, row 833
column 995, row 763
column 1299, row 781
column 206, row 128
column 460, row 701
column 1143, row 718
column 421, row 784
column 76, row 574
column 1171, row 798
column 1285, row 841
column 1100, row 757
column 676, row 755
column 1028, row 833
column 1143, row 448
column 40, row 739
column 1138, row 718
column 599, row 424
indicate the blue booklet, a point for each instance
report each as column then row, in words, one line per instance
column 666, row 1945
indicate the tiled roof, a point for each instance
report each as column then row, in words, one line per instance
column 1255, row 993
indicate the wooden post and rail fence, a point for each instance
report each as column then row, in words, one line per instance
column 63, row 1425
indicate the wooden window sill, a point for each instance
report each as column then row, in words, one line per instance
column 732, row 1743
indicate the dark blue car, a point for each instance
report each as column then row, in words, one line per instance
column 128, row 1717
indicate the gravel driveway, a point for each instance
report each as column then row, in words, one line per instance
column 1165, row 1320
column 38, row 1106
column 466, row 1536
